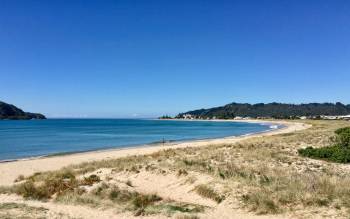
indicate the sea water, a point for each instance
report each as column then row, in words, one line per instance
column 32, row 138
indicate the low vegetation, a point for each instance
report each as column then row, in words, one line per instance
column 331, row 153
column 112, row 196
column 209, row 192
column 56, row 183
column 343, row 137
column 66, row 187
column 16, row 210
column 339, row 152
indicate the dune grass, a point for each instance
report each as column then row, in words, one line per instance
column 208, row 192
column 107, row 196
column 66, row 187
column 19, row 210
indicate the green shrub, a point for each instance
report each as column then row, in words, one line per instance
column 332, row 153
column 340, row 152
column 343, row 137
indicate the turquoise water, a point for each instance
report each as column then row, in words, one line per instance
column 21, row 139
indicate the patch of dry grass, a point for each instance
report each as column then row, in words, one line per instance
column 16, row 210
column 51, row 184
column 65, row 186
column 208, row 192
column 111, row 196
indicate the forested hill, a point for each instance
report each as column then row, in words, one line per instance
column 8, row 111
column 273, row 110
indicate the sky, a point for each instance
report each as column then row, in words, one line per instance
column 125, row 59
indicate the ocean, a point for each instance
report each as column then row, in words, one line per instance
column 33, row 138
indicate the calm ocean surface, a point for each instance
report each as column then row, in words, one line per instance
column 21, row 139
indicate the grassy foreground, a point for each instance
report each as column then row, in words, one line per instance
column 260, row 175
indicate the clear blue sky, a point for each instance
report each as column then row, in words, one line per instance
column 148, row 58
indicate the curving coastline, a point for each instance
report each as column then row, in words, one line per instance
column 10, row 170
column 61, row 136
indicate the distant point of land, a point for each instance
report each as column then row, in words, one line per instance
column 11, row 112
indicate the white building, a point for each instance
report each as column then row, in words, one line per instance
column 345, row 117
column 187, row 116
column 336, row 117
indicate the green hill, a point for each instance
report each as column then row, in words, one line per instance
column 8, row 111
column 270, row 110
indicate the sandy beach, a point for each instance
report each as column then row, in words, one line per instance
column 232, row 178
column 9, row 171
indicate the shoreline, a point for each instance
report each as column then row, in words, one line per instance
column 10, row 170
column 152, row 144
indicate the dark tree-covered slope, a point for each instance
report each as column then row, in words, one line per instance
column 274, row 110
column 8, row 111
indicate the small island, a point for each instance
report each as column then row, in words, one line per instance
column 11, row 112
column 165, row 117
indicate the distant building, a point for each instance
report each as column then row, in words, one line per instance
column 330, row 117
column 346, row 117
column 188, row 116
column 336, row 117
